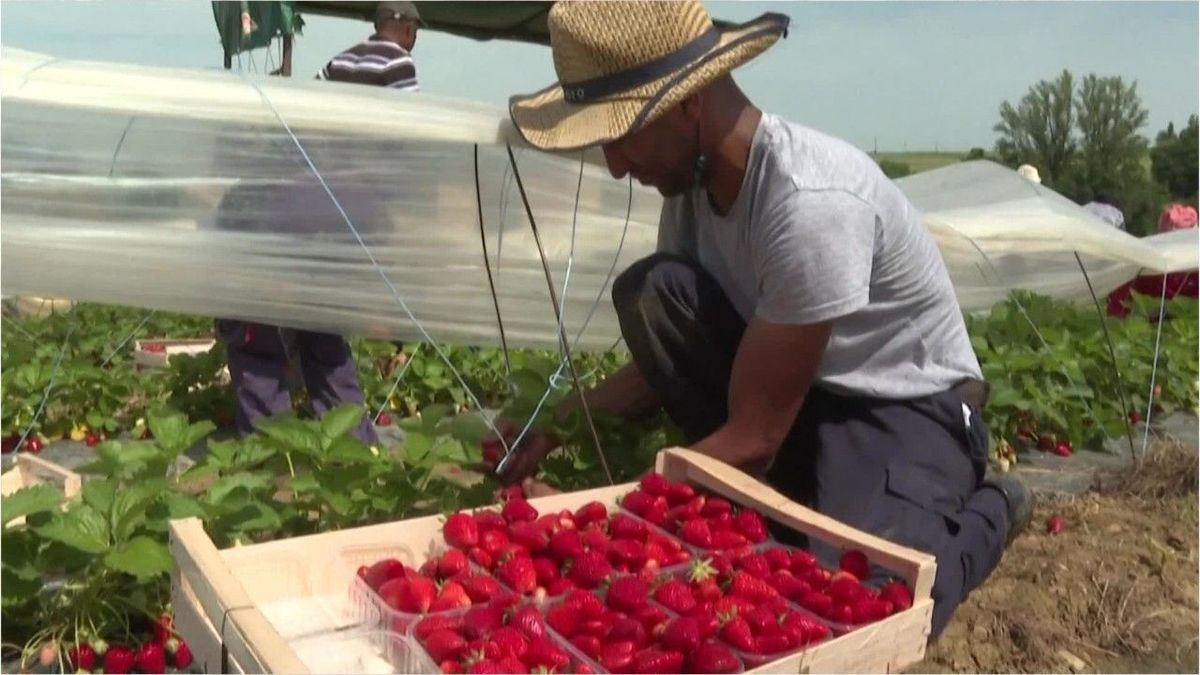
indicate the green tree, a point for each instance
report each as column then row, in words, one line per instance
column 1109, row 114
column 1175, row 160
column 1038, row 130
column 894, row 169
column 974, row 153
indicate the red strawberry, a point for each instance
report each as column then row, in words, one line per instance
column 455, row 592
column 510, row 642
column 627, row 552
column 751, row 588
column 817, row 577
column 755, row 565
column 655, row 484
column 722, row 522
column 566, row 544
column 595, row 627
column 1055, row 524
column 856, row 563
column 545, row 654
column 749, row 523
column 461, row 530
column 493, row 541
column 481, row 557
column 706, row 620
column 675, row 596
column 657, row 661
column 590, row 645
column 482, row 650
column 715, row 506
column 616, row 657
column 432, row 624
column 652, row 617
column 517, row 510
column 518, row 574
column 591, row 512
column 491, row 449
column 428, row 569
column 802, row 560
column 119, row 659
column 624, row 527
column 530, row 536
column 590, row 569
column 511, row 665
column 869, row 609
column 480, row 587
column 696, row 533
column 845, row 589
column 680, row 493
column 182, row 655
column 682, row 634
column 638, row 502
column 481, row 620
column 897, row 593
column 564, row 619
column 559, row 586
column 842, row 614
column 627, row 593
column 1135, row 417
column 382, row 571
column 1045, row 443
column 163, row 628
column 490, row 519
column 595, row 539
column 788, row 585
column 772, row 644
column 656, row 513
column 727, row 539
column 445, row 645
column 484, row 667
column 816, row 602
column 413, row 595
column 811, row 629
column 82, row 657
column 778, row 559
column 451, row 666
column 587, row 604
column 689, row 510
column 628, row 629
column 452, row 562
column 713, row 657
column 530, row 622
column 1063, row 449
column 545, row 569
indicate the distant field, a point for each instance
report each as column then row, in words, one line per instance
column 922, row 161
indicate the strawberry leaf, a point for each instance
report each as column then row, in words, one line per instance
column 81, row 528
column 141, row 557
column 33, row 499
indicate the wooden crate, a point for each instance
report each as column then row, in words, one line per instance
column 29, row 470
column 218, row 595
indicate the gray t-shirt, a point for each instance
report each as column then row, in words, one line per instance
column 818, row 233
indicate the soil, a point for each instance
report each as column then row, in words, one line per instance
column 1116, row 591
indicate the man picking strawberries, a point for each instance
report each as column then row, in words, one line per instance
column 797, row 320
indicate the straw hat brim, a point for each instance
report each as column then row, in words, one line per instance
column 548, row 122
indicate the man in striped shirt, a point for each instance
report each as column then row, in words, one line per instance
column 385, row 58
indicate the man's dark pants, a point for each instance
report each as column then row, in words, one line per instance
column 908, row 471
column 258, row 358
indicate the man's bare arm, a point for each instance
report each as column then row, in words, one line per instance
column 625, row 393
column 772, row 372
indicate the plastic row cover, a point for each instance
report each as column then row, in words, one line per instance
column 186, row 190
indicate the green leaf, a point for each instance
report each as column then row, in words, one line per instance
column 304, row 483
column 468, row 428
column 130, row 506
column 20, row 547
column 181, row 505
column 141, row 557
column 293, row 434
column 250, row 482
column 32, row 499
column 350, row 450
column 337, row 501
column 99, row 494
column 341, row 420
column 172, row 431
column 82, row 528
column 255, row 517
column 17, row 590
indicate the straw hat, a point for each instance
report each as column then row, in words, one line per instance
column 621, row 65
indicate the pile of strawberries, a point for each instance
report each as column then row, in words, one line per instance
column 162, row 650
column 579, row 591
column 705, row 522
column 548, row 555
column 496, row 637
column 444, row 583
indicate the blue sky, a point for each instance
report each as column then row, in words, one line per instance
column 904, row 75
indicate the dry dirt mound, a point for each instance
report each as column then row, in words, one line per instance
column 1115, row 592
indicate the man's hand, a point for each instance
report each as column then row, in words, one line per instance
column 522, row 461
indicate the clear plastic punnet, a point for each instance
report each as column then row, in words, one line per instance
column 355, row 210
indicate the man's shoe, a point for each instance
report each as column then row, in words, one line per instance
column 1020, row 502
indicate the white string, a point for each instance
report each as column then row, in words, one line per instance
column 1162, row 304
column 53, row 374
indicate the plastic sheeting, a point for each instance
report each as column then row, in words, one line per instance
column 185, row 190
